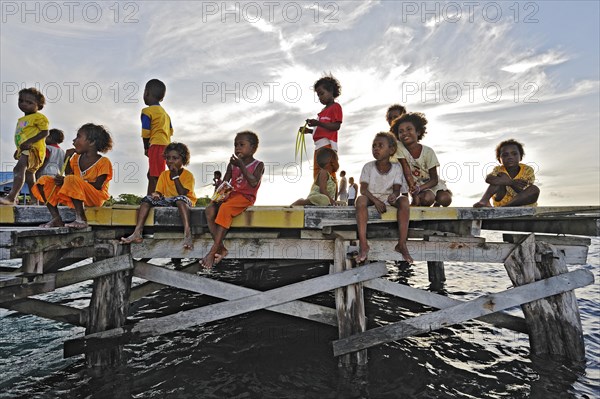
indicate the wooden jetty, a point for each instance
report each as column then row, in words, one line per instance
column 288, row 236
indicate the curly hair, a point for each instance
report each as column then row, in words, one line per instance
column 394, row 107
column 325, row 155
column 39, row 97
column 57, row 135
column 390, row 138
column 417, row 119
column 156, row 88
column 509, row 142
column 330, row 84
column 181, row 149
column 99, row 135
column 250, row 136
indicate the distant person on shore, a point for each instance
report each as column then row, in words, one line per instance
column 217, row 181
column 325, row 134
column 175, row 187
column 55, row 156
column 324, row 188
column 394, row 112
column 343, row 188
column 156, row 131
column 352, row 191
column 511, row 183
column 86, row 180
column 32, row 129
column 382, row 184
column 429, row 189
column 245, row 174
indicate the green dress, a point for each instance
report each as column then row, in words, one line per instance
column 315, row 196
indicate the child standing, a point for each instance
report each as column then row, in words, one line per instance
column 55, row 156
column 245, row 174
column 217, row 179
column 86, row 182
column 352, row 191
column 30, row 133
column 156, row 130
column 381, row 183
column 329, row 120
column 324, row 187
column 428, row 189
column 510, row 184
column 175, row 187
column 343, row 190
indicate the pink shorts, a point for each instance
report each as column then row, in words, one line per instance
column 156, row 160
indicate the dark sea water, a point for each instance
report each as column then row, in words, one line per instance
column 268, row 355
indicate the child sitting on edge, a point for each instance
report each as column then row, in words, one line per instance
column 55, row 156
column 329, row 120
column 381, row 183
column 156, row 130
column 175, row 187
column 30, row 133
column 86, row 180
column 510, row 184
column 245, row 174
column 324, row 187
column 422, row 161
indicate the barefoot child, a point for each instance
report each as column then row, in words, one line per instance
column 324, row 188
column 86, row 182
column 429, row 189
column 381, row 183
column 175, row 187
column 510, row 184
column 31, row 131
column 156, row 130
column 245, row 174
column 329, row 120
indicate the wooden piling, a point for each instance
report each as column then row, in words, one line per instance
column 554, row 324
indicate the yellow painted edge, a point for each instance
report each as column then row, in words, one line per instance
column 7, row 214
column 128, row 216
column 273, row 217
column 99, row 216
column 424, row 213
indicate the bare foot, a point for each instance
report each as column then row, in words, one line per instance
column 221, row 253
column 77, row 225
column 404, row 251
column 135, row 238
column 208, row 261
column 53, row 223
column 363, row 253
column 482, row 204
column 188, row 242
column 4, row 201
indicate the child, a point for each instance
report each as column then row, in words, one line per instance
column 510, row 184
column 352, row 191
column 394, row 112
column 156, row 130
column 330, row 118
column 245, row 174
column 86, row 182
column 343, row 191
column 30, row 133
column 217, row 181
column 324, row 188
column 381, row 183
column 175, row 187
column 55, row 156
column 428, row 189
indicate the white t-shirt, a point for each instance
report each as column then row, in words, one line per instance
column 381, row 185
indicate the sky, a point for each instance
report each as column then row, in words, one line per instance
column 481, row 72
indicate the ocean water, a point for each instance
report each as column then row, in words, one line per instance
column 268, row 355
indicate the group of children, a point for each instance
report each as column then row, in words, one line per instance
column 80, row 176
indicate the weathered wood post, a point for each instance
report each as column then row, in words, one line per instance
column 350, row 305
column 554, row 324
column 436, row 273
column 108, row 309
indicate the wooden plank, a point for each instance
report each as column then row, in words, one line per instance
column 218, row 311
column 7, row 214
column 126, row 215
column 554, row 240
column 270, row 216
column 74, row 239
column 481, row 306
column 149, row 287
column 29, row 286
column 33, row 214
column 238, row 249
column 165, row 235
column 170, row 217
column 437, row 301
column 33, row 263
column 559, row 225
column 219, row 289
column 48, row 310
column 455, row 239
column 93, row 270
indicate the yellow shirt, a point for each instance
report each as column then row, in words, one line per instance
column 156, row 125
column 27, row 127
column 167, row 188
column 525, row 173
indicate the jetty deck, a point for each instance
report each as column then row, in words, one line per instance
column 289, row 237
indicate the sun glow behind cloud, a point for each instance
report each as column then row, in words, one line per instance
column 477, row 82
